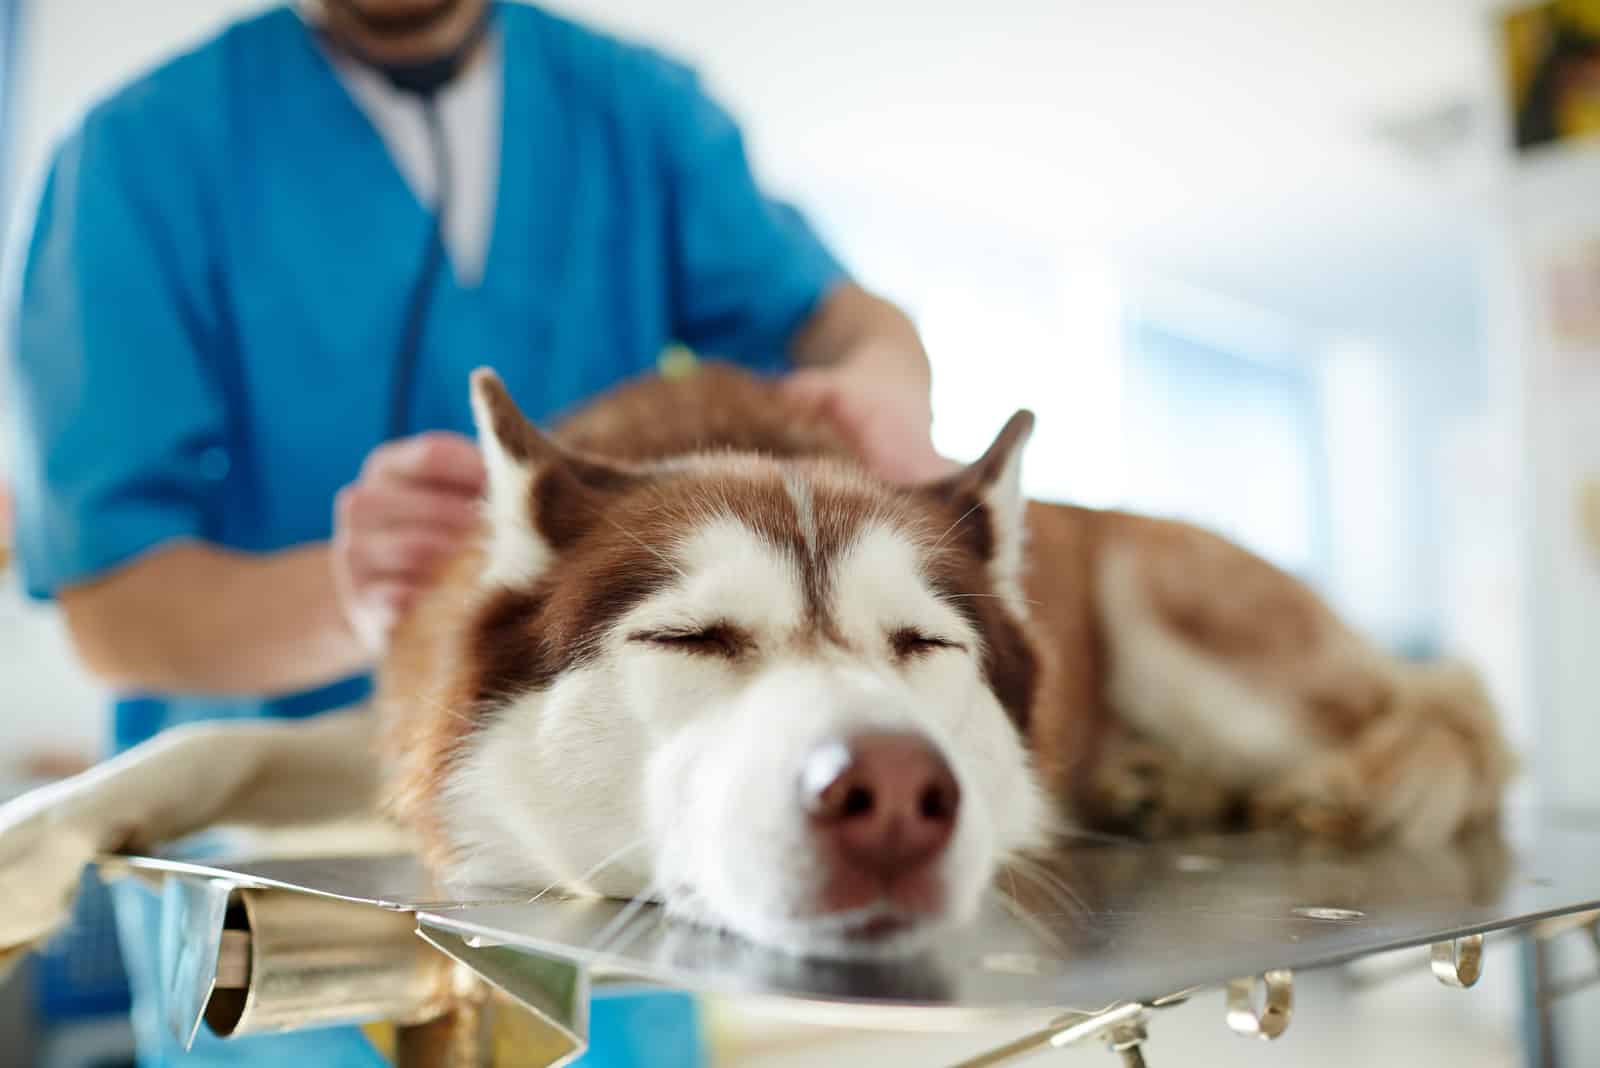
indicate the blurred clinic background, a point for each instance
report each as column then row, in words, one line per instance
column 1323, row 276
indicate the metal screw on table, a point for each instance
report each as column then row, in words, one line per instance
column 1459, row 962
column 1127, row 1040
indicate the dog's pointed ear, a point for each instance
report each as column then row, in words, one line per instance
column 539, row 497
column 987, row 496
column 509, row 440
column 998, row 472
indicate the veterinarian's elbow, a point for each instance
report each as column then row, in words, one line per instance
column 851, row 319
column 120, row 649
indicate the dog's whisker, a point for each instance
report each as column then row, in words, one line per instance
column 614, row 927
column 951, row 529
column 583, row 879
column 1029, row 919
column 616, row 855
column 993, row 596
column 1055, row 905
column 657, row 553
column 1051, row 885
column 631, row 932
column 1083, row 834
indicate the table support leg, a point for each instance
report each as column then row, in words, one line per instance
column 454, row 1040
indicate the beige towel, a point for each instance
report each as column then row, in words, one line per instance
column 253, row 773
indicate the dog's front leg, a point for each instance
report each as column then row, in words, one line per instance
column 261, row 773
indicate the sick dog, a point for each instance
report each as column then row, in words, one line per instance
column 700, row 654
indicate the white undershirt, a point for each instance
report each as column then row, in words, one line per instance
column 469, row 108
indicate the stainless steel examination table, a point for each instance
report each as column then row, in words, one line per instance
column 1091, row 949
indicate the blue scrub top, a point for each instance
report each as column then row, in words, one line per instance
column 217, row 278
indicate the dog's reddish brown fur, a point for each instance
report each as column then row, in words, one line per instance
column 1370, row 715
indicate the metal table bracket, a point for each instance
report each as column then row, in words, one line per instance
column 1120, row 1025
column 1459, row 962
column 253, row 960
column 1138, row 921
column 1125, row 1028
column 1272, row 1019
column 197, row 908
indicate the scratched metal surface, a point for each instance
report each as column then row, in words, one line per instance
column 1141, row 921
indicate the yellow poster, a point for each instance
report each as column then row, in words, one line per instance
column 1551, row 56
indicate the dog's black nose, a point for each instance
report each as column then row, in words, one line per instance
column 885, row 802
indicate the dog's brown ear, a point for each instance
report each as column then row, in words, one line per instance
column 539, row 496
column 995, row 478
column 987, row 496
column 503, row 431
column 1000, row 466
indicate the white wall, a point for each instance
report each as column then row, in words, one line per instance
column 72, row 52
column 1522, row 591
column 1551, row 209
column 69, row 53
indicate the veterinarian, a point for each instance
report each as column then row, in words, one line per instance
column 255, row 285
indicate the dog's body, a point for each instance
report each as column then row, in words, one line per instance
column 700, row 653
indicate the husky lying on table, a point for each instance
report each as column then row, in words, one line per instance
column 700, row 653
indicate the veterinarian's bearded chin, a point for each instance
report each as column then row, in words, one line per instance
column 738, row 848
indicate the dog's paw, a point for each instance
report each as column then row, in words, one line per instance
column 1323, row 799
column 1144, row 790
column 1431, row 769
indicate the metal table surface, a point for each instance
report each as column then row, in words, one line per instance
column 1109, row 923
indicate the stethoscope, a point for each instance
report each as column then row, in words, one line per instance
column 423, row 80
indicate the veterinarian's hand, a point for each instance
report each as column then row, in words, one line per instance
column 886, row 417
column 413, row 505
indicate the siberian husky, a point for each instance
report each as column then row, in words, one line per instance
column 700, row 654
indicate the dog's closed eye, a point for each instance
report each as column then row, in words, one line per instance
column 909, row 642
column 717, row 639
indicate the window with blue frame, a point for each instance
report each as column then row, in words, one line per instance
column 1149, row 396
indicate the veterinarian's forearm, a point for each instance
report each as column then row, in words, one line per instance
column 854, row 325
column 196, row 618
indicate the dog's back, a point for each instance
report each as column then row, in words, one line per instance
column 713, row 407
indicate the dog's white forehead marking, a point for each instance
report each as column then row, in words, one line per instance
column 878, row 581
column 799, row 491
column 731, row 572
column 728, row 570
